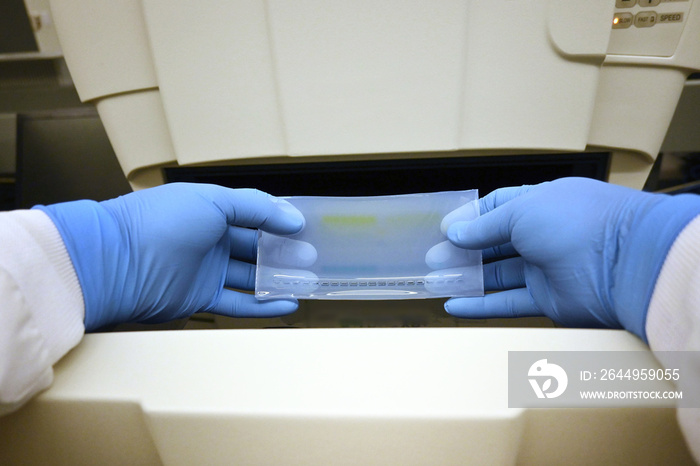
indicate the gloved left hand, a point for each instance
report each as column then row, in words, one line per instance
column 168, row 252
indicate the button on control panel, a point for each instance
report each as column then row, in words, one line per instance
column 623, row 20
column 647, row 27
column 645, row 19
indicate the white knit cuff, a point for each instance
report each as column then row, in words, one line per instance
column 673, row 320
column 35, row 253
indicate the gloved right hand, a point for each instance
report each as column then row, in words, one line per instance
column 587, row 253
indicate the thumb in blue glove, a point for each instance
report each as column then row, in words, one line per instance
column 168, row 252
column 582, row 252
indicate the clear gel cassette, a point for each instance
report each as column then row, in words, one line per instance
column 383, row 247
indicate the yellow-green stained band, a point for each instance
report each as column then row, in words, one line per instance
column 349, row 220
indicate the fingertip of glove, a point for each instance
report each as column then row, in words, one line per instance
column 295, row 220
column 277, row 308
column 451, row 308
column 466, row 308
column 447, row 307
column 456, row 233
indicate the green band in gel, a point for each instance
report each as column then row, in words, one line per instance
column 349, row 220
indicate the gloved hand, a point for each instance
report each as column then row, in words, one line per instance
column 587, row 253
column 168, row 252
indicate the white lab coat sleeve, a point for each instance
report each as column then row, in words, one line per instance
column 673, row 320
column 41, row 305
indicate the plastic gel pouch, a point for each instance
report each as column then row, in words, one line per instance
column 385, row 247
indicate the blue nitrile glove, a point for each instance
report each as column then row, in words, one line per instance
column 168, row 252
column 589, row 253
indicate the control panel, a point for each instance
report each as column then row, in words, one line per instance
column 647, row 27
